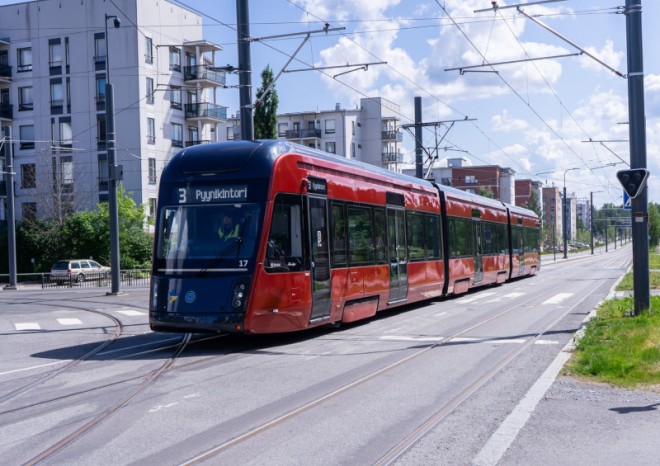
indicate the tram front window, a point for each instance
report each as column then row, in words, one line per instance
column 217, row 231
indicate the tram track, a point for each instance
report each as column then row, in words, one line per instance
column 431, row 422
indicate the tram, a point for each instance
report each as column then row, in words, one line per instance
column 270, row 236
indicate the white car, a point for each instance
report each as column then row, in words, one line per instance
column 77, row 270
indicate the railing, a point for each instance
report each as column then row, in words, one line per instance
column 206, row 110
column 195, row 143
column 6, row 111
column 303, row 133
column 392, row 156
column 139, row 278
column 392, row 136
column 5, row 72
column 191, row 73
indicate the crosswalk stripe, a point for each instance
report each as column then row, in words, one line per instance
column 70, row 321
column 131, row 312
column 27, row 326
column 558, row 298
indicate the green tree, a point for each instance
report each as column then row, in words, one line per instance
column 265, row 114
column 485, row 192
column 654, row 223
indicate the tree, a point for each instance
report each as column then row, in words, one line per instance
column 485, row 192
column 654, row 225
column 265, row 114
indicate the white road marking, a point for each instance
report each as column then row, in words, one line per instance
column 454, row 340
column 476, row 297
column 27, row 326
column 513, row 295
column 36, row 367
column 440, row 314
column 132, row 312
column 546, row 342
column 70, row 321
column 558, row 298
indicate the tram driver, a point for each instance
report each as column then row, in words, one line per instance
column 229, row 228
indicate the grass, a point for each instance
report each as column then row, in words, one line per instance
column 654, row 277
column 619, row 349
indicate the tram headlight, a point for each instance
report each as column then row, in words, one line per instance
column 154, row 294
column 238, row 296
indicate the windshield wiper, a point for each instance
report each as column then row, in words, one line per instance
column 223, row 254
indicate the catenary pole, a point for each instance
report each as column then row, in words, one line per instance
column 244, row 69
column 637, row 131
column 11, row 213
column 419, row 160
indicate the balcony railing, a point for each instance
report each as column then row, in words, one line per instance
column 197, row 142
column 206, row 111
column 202, row 72
column 303, row 133
column 5, row 72
column 6, row 111
column 392, row 156
column 392, row 136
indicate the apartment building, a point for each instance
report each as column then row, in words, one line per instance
column 552, row 215
column 369, row 133
column 525, row 190
column 55, row 60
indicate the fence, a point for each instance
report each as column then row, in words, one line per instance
column 129, row 278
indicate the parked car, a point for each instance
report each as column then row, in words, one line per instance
column 77, row 270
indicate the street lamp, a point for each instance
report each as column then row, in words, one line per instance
column 114, row 171
column 566, row 214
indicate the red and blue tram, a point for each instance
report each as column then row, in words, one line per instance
column 267, row 237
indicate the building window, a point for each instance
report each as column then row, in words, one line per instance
column 55, row 54
column 230, row 133
column 152, row 208
column 25, row 101
column 100, row 89
column 331, row 147
column 152, row 171
column 148, row 50
column 24, row 60
column 66, row 135
column 177, row 135
column 151, row 131
column 175, row 59
column 470, row 179
column 353, row 150
column 353, row 127
column 150, row 90
column 329, row 126
column 193, row 135
column 28, row 176
column 26, row 134
column 99, row 49
column 56, row 95
column 282, row 128
column 100, row 130
column 175, row 97
column 29, row 210
column 103, row 173
column 66, row 166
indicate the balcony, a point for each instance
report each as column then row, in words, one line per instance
column 391, row 156
column 196, row 143
column 204, row 75
column 6, row 111
column 5, row 74
column 309, row 133
column 206, row 111
column 392, row 136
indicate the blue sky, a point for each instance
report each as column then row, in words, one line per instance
column 532, row 117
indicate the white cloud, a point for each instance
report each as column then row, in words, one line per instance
column 606, row 54
column 505, row 122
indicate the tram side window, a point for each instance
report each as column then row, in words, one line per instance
column 360, row 235
column 517, row 239
column 489, row 235
column 338, row 236
column 285, row 244
column 432, row 236
column 380, row 235
column 460, row 237
column 415, row 224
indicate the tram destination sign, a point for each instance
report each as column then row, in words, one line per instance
column 207, row 194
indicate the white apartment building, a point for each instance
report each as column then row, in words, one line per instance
column 54, row 58
column 369, row 133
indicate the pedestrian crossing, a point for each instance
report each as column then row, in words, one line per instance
column 50, row 324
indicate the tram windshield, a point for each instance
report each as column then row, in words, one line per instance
column 209, row 231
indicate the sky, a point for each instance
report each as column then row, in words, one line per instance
column 554, row 120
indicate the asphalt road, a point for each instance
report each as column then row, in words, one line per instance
column 84, row 381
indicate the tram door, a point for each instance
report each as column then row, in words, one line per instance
column 478, row 251
column 521, row 248
column 398, row 254
column 320, row 264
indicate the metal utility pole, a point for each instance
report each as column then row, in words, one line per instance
column 114, row 170
column 637, row 131
column 419, row 161
column 11, row 214
column 244, row 69
column 592, row 223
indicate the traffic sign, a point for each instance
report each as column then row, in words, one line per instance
column 627, row 202
column 633, row 180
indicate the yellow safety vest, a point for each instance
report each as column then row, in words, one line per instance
column 231, row 234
